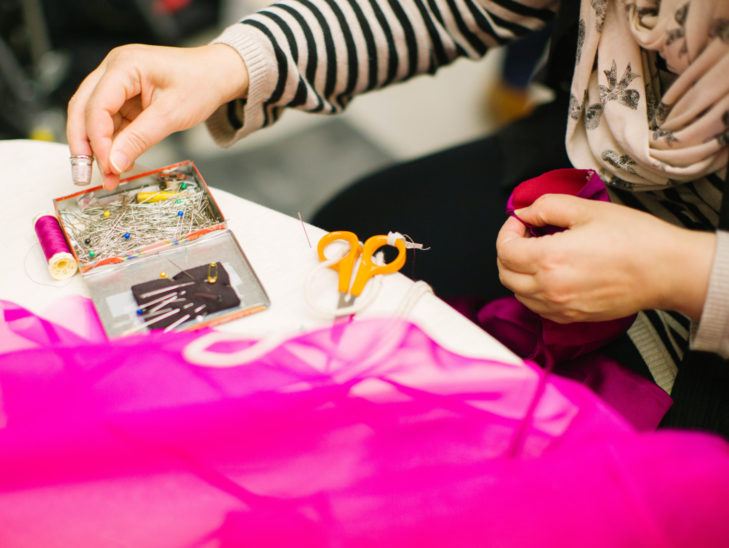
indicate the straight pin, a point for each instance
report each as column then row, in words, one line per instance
column 162, row 298
column 176, row 323
column 185, row 272
column 159, row 306
column 152, row 321
column 164, row 290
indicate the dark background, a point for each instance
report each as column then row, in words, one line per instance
column 48, row 46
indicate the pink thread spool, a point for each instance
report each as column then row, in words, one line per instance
column 61, row 262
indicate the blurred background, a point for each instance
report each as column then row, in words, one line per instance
column 48, row 46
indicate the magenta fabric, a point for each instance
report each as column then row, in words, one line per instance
column 583, row 183
column 545, row 341
column 570, row 349
column 369, row 433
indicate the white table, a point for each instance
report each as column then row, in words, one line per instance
column 33, row 173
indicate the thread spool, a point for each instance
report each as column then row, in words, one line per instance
column 61, row 262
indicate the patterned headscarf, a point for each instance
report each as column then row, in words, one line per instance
column 649, row 105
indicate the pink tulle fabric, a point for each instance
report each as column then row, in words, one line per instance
column 367, row 433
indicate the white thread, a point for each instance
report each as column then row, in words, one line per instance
column 409, row 242
column 414, row 293
column 392, row 237
column 198, row 351
column 391, row 335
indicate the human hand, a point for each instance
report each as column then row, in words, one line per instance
column 610, row 262
column 141, row 94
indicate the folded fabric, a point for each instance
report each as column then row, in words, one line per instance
column 583, row 183
column 365, row 433
column 552, row 344
column 522, row 330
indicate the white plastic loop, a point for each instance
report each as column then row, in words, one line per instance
column 392, row 237
column 198, row 351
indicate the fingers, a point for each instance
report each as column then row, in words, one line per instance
column 515, row 250
column 108, row 98
column 106, row 102
column 517, row 282
column 148, row 128
column 518, row 260
column 78, row 140
column 110, row 181
column 93, row 117
column 559, row 210
column 512, row 228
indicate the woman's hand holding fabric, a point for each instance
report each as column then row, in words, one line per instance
column 611, row 261
column 141, row 94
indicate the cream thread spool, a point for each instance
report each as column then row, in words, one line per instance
column 61, row 262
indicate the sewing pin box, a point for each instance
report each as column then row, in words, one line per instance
column 157, row 253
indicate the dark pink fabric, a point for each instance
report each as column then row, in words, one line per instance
column 369, row 433
column 572, row 349
column 545, row 341
column 583, row 183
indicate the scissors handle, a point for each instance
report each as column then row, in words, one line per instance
column 346, row 264
column 368, row 268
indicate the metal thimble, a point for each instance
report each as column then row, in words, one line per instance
column 81, row 168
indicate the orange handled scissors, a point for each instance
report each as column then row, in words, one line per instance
column 367, row 267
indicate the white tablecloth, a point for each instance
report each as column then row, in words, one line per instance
column 33, row 173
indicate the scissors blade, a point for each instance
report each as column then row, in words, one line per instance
column 345, row 300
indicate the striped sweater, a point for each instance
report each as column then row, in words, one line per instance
column 316, row 55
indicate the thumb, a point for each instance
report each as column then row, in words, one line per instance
column 561, row 210
column 146, row 130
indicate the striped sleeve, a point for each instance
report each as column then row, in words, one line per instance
column 316, row 55
column 712, row 332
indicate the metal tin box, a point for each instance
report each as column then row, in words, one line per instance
column 156, row 225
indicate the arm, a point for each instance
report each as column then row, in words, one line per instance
column 316, row 55
column 310, row 54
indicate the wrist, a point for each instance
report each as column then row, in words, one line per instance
column 689, row 258
column 233, row 73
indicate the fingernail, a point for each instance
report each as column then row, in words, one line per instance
column 118, row 161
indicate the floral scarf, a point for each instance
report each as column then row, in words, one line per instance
column 649, row 104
